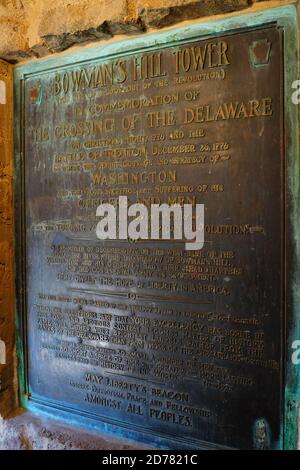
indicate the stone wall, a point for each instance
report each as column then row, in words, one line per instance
column 31, row 432
column 34, row 28
column 7, row 352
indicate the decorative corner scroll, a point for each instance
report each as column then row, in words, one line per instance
column 261, row 435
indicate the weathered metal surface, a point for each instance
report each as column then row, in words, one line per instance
column 185, row 345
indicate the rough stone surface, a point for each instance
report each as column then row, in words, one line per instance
column 7, row 363
column 153, row 14
column 35, row 28
column 29, row 432
column 13, row 29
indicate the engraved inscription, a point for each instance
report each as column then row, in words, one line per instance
column 181, row 343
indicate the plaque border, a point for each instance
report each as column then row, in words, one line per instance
column 285, row 18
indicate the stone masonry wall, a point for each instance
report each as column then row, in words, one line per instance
column 35, row 28
column 7, row 353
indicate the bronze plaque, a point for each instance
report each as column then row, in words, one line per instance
column 160, row 341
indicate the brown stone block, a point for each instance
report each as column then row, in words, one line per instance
column 75, row 16
column 8, row 386
column 13, row 29
column 6, row 215
column 157, row 13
